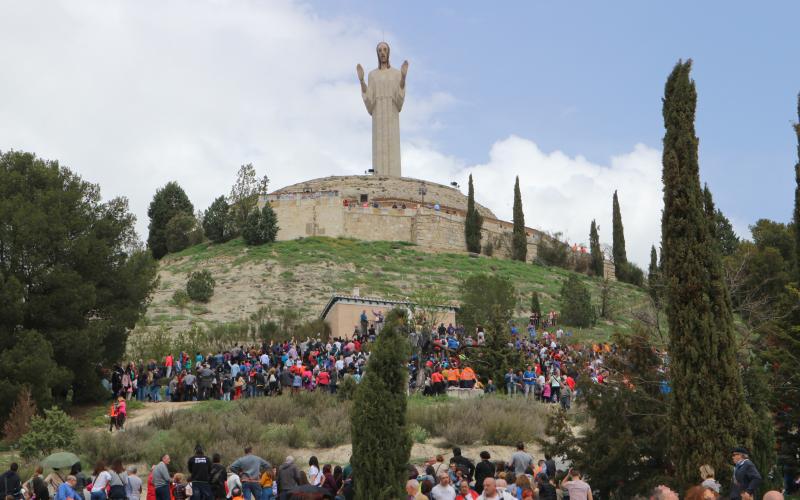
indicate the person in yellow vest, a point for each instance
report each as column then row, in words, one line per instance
column 467, row 378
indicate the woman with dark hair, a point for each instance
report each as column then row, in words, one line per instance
column 314, row 474
column 329, row 482
column 80, row 478
column 117, row 482
column 338, row 477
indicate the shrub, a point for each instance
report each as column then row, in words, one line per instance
column 418, row 434
column 200, row 286
column 218, row 223
column 551, row 251
column 53, row 431
column 346, row 389
column 19, row 422
column 180, row 298
column 261, row 226
column 631, row 273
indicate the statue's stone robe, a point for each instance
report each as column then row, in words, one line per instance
column 384, row 100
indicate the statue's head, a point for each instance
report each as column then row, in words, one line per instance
column 383, row 55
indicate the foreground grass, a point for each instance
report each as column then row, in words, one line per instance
column 275, row 425
column 318, row 266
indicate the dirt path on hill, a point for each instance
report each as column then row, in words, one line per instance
column 144, row 415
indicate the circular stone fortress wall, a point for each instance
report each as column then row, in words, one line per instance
column 369, row 188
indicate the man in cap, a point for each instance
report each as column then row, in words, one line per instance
column 746, row 478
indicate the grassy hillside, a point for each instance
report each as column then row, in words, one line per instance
column 302, row 274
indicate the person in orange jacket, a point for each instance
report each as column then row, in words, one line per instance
column 452, row 377
column 467, row 378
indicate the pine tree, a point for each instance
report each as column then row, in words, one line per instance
column 381, row 442
column 708, row 414
column 595, row 252
column 535, row 306
column 576, row 303
column 653, row 278
column 473, row 222
column 618, row 245
column 520, row 240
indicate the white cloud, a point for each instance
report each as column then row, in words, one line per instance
column 135, row 94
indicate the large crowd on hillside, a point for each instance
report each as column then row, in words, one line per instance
column 548, row 374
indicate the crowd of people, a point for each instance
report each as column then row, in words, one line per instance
column 250, row 477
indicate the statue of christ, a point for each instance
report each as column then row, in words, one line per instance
column 383, row 96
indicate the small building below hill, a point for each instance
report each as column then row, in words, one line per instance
column 343, row 312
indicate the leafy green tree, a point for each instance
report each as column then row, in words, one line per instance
column 627, row 454
column 473, row 222
column 218, row 223
column 55, row 430
column 182, row 232
column 489, row 302
column 576, row 303
column 245, row 193
column 535, row 306
column 519, row 244
column 618, row 245
column 595, row 252
column 708, row 414
column 381, row 441
column 261, row 226
column 73, row 281
column 552, row 251
column 631, row 273
column 200, row 286
column 654, row 278
column 771, row 234
column 168, row 202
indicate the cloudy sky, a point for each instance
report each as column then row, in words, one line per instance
column 567, row 95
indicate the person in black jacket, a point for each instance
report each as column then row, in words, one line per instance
column 746, row 478
column 463, row 464
column 10, row 483
column 484, row 469
column 200, row 469
column 218, row 477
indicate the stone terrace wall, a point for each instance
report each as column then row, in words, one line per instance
column 386, row 188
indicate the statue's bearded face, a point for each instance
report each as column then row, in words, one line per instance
column 383, row 53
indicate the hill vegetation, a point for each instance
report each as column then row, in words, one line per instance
column 301, row 275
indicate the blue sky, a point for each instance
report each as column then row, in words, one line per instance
column 587, row 78
column 565, row 95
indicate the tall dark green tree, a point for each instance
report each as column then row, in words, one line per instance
column 519, row 243
column 168, row 202
column 708, row 414
column 73, row 280
column 473, row 222
column 535, row 305
column 381, row 442
column 261, row 226
column 726, row 236
column 796, row 217
column 618, row 245
column 218, row 223
column 576, row 303
column 595, row 252
column 653, row 278
column 489, row 301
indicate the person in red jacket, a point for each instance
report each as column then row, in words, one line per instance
column 323, row 379
column 151, row 489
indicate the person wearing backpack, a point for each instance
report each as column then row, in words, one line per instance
column 218, row 478
column 99, row 482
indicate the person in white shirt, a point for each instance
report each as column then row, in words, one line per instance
column 443, row 490
column 234, row 481
column 490, row 491
column 314, row 474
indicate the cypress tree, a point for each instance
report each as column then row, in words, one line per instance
column 708, row 414
column 618, row 248
column 535, row 306
column 381, row 442
column 595, row 252
column 653, row 277
column 796, row 217
column 519, row 250
column 472, row 222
